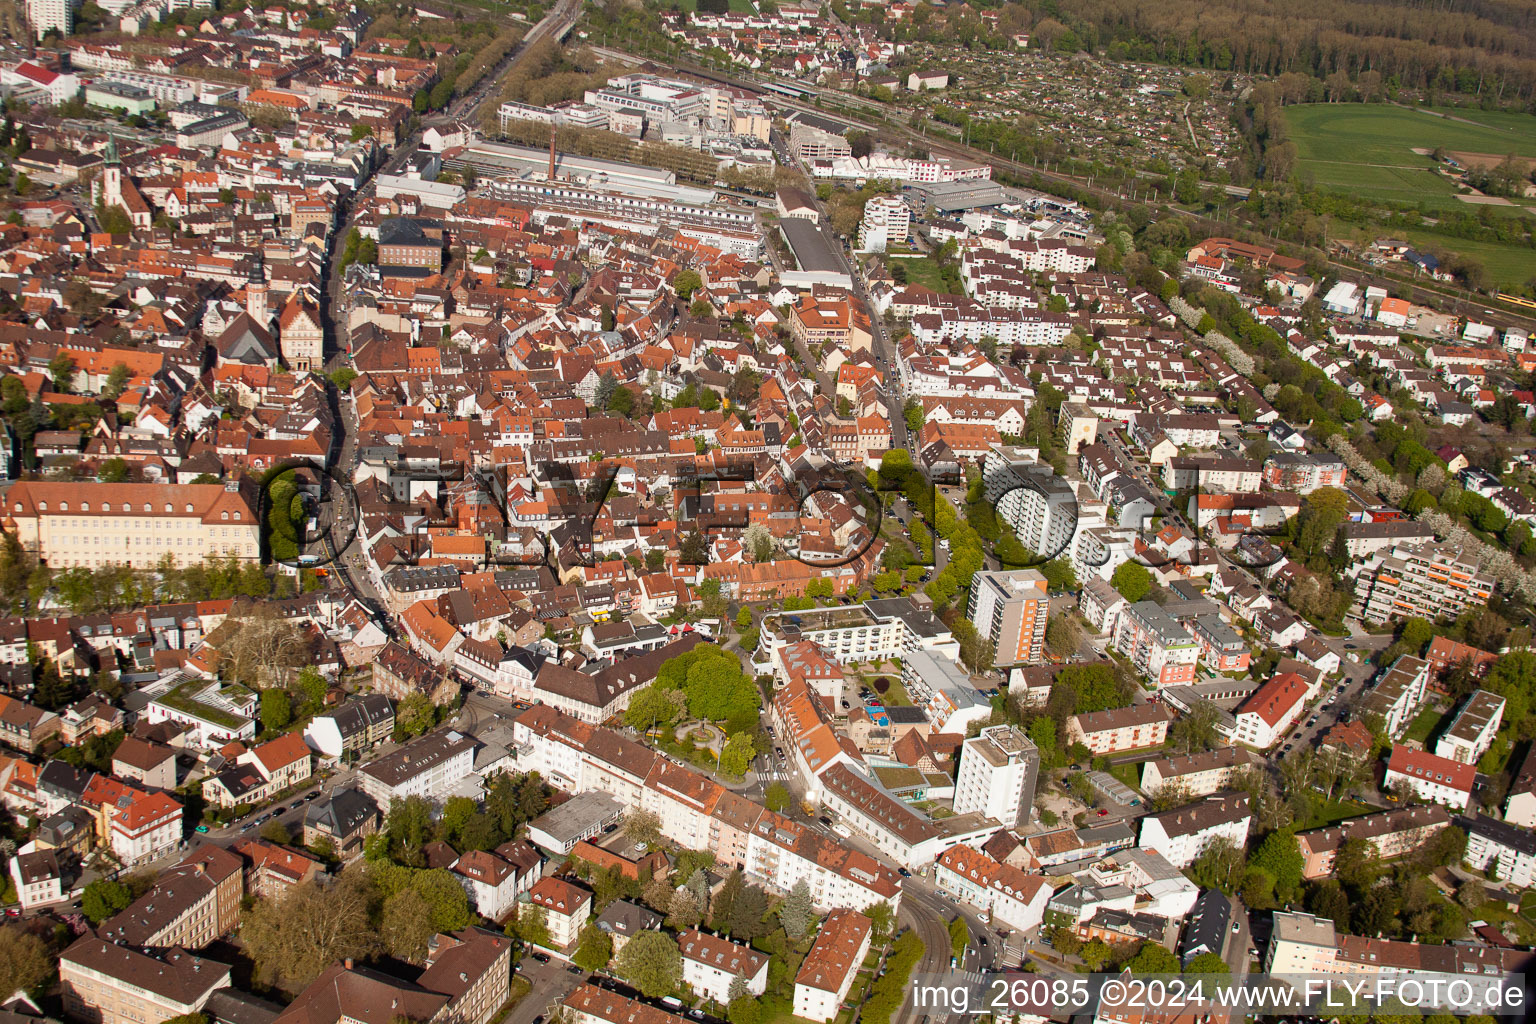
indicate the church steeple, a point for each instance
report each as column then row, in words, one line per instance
column 110, row 154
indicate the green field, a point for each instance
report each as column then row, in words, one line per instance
column 1509, row 265
column 1368, row 149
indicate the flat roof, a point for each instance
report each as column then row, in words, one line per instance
column 812, row 248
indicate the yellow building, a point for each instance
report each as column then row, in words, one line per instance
column 70, row 524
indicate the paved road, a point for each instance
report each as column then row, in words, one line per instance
column 550, row 983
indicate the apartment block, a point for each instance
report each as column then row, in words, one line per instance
column 1212, row 473
column 1003, row 891
column 887, row 221
column 829, row 968
column 1303, row 472
column 429, row 767
column 1076, row 425
column 1428, row 580
column 1473, row 729
column 1520, row 805
column 998, row 772
column 1271, row 710
column 1390, row 834
column 106, row 983
column 190, row 906
column 1011, row 607
column 1433, row 779
column 1196, row 775
column 1506, row 852
column 1397, row 694
column 566, row 909
column 711, row 963
column 1157, row 644
column 1028, row 495
column 1130, row 728
column 1183, row 834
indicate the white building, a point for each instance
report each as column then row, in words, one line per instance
column 38, row 878
column 1195, row 775
column 711, row 963
column 1473, row 730
column 697, row 813
column 50, row 16
column 145, row 830
column 216, row 714
column 1520, row 807
column 1265, row 716
column 492, row 883
column 1004, row 893
column 428, row 767
column 887, row 221
column 998, row 772
column 1182, row 834
column 1504, row 851
column 830, row 967
column 1398, row 693
column 566, row 909
column 1435, row 780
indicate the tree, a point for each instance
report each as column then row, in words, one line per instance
column 685, row 284
column 776, row 798
column 758, row 541
column 117, row 380
column 295, row 937
column 1207, row 963
column 1095, row 955
column 643, row 827
column 594, row 950
column 1152, row 958
column 532, row 925
column 406, row 925
column 959, row 938
column 311, row 686
column 1132, row 581
column 413, row 716
column 796, row 913
column 409, row 827
column 276, row 832
column 742, row 1008
column 25, row 964
column 62, row 369
column 276, row 709
column 1280, row 857
column 104, row 898
column 112, row 471
column 650, row 961
column 737, row 755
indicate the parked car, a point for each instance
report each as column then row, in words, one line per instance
column 542, row 958
column 201, row 828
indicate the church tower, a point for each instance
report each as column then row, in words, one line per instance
column 112, row 175
column 256, row 294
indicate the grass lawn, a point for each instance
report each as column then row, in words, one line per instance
column 778, row 1010
column 1322, row 812
column 926, row 273
column 1496, row 914
column 1508, row 265
column 1425, row 725
column 896, row 696
column 1129, row 774
column 1368, row 149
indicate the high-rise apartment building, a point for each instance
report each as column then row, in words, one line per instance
column 1011, row 607
column 998, row 771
